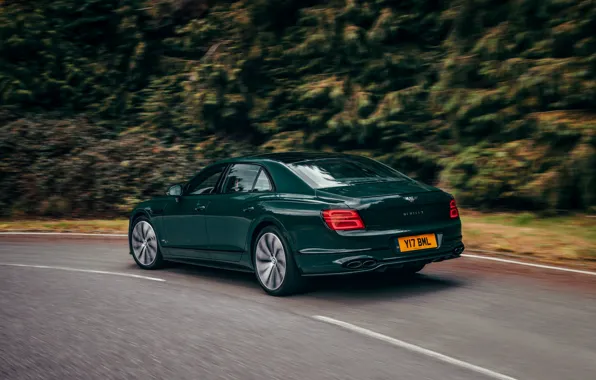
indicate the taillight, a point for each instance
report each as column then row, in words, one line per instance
column 453, row 211
column 343, row 220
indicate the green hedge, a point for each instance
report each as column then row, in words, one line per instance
column 493, row 100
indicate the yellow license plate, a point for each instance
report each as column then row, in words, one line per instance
column 415, row 243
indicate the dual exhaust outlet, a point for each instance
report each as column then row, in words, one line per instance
column 367, row 263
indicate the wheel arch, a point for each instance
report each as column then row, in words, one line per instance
column 136, row 214
column 259, row 225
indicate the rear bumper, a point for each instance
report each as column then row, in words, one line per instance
column 361, row 261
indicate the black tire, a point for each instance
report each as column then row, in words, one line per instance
column 292, row 282
column 152, row 258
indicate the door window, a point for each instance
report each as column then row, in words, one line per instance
column 205, row 183
column 241, row 178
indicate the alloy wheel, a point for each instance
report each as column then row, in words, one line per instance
column 270, row 260
column 144, row 243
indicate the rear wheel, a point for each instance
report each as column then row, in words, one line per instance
column 274, row 265
column 145, row 248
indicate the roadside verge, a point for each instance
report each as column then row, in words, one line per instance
column 561, row 241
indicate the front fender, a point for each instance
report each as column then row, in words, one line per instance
column 151, row 209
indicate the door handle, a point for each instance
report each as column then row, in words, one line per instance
column 249, row 209
column 200, row 208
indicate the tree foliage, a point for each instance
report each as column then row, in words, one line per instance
column 494, row 100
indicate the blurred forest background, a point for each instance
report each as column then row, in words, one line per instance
column 106, row 102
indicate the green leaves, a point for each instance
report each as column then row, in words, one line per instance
column 70, row 55
column 496, row 99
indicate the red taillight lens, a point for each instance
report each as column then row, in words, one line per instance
column 453, row 211
column 343, row 220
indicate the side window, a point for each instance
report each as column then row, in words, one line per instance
column 262, row 183
column 240, row 178
column 206, row 182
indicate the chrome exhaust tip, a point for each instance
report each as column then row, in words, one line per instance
column 354, row 264
column 369, row 263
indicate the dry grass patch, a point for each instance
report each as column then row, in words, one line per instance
column 53, row 225
column 554, row 240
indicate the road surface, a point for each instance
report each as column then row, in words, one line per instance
column 463, row 319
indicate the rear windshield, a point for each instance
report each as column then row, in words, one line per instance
column 333, row 172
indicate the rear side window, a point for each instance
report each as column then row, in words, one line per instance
column 262, row 183
column 241, row 178
column 333, row 172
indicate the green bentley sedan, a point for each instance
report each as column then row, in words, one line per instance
column 288, row 216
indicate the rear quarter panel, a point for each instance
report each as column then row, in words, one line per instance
column 299, row 218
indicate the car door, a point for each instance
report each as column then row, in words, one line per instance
column 232, row 211
column 183, row 222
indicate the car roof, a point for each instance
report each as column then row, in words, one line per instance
column 291, row 157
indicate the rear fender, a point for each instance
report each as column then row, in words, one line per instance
column 296, row 216
column 259, row 223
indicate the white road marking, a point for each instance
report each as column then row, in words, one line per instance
column 529, row 264
column 551, row 267
column 60, row 233
column 414, row 348
column 84, row 271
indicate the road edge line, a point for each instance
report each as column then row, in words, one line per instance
column 542, row 266
column 413, row 348
column 471, row 256
column 61, row 233
column 83, row 271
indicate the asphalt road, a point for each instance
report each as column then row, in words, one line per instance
column 505, row 320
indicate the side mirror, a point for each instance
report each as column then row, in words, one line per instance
column 175, row 191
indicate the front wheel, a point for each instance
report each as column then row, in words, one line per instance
column 145, row 248
column 275, row 268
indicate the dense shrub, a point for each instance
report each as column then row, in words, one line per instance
column 72, row 167
column 494, row 100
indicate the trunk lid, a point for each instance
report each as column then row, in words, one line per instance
column 394, row 204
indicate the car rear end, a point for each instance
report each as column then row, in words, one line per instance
column 381, row 220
